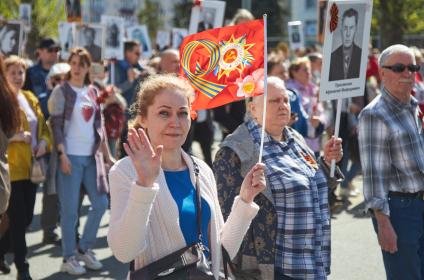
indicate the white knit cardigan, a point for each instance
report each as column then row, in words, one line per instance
column 144, row 224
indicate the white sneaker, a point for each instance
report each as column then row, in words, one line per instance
column 72, row 266
column 89, row 260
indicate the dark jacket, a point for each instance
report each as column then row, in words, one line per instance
column 4, row 173
column 336, row 64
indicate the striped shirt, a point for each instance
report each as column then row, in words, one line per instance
column 391, row 146
column 300, row 193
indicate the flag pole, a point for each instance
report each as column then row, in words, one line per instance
column 265, row 87
column 336, row 134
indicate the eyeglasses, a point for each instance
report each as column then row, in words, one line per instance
column 399, row 67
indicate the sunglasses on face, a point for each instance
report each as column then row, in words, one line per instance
column 399, row 67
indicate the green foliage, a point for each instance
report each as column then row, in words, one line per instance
column 392, row 19
column 150, row 16
column 183, row 12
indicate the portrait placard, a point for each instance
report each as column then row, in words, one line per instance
column 73, row 10
column 345, row 52
column 91, row 37
column 163, row 40
column 11, row 37
column 178, row 35
column 66, row 38
column 209, row 15
column 296, row 36
column 114, row 42
column 322, row 9
column 140, row 34
column 25, row 14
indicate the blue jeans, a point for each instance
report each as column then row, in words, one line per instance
column 83, row 171
column 407, row 218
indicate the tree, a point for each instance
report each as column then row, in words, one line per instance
column 150, row 16
column 392, row 19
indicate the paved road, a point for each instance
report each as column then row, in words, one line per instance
column 355, row 252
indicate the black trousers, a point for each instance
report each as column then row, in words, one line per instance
column 20, row 213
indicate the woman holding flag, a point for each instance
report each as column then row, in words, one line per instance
column 290, row 236
column 153, row 190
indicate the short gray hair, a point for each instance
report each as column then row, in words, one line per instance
column 275, row 82
column 398, row 48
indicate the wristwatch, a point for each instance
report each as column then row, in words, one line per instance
column 59, row 153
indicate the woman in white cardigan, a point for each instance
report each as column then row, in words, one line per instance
column 150, row 216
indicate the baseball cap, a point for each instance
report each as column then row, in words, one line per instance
column 48, row 43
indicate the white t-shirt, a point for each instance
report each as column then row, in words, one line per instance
column 79, row 133
column 31, row 117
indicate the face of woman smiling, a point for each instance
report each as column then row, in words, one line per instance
column 168, row 119
column 15, row 74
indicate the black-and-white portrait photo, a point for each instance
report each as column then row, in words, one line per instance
column 73, row 10
column 10, row 38
column 114, row 33
column 163, row 40
column 140, row 34
column 25, row 14
column 66, row 38
column 206, row 20
column 178, row 35
column 347, row 32
column 210, row 15
column 296, row 35
column 347, row 38
column 91, row 38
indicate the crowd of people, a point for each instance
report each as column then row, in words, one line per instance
column 125, row 142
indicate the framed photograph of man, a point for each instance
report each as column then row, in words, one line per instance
column 91, row 37
column 345, row 52
column 114, row 42
column 296, row 37
column 163, row 40
column 209, row 15
column 178, row 35
column 25, row 14
column 73, row 10
column 140, row 33
column 11, row 37
column 322, row 9
column 67, row 38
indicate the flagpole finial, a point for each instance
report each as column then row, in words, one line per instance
column 264, row 15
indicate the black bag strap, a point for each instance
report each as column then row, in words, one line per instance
column 198, row 200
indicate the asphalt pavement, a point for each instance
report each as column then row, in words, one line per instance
column 355, row 251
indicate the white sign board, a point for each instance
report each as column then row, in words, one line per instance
column 114, row 42
column 345, row 52
column 140, row 34
column 209, row 15
column 296, row 36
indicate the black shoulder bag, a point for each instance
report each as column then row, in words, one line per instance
column 187, row 263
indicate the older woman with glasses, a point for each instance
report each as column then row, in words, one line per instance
column 290, row 236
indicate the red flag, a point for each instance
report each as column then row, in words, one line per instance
column 224, row 64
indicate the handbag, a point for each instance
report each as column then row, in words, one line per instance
column 187, row 263
column 38, row 170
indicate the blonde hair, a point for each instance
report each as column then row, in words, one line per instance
column 152, row 86
column 15, row 60
column 296, row 63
